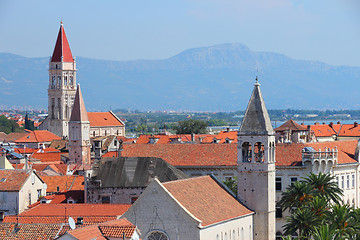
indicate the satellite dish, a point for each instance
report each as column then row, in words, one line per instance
column 71, row 223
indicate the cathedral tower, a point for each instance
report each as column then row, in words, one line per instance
column 62, row 87
column 256, row 165
column 79, row 132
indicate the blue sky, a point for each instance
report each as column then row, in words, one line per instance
column 324, row 30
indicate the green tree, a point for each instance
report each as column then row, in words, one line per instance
column 191, row 126
column 28, row 123
column 231, row 183
column 325, row 185
column 314, row 202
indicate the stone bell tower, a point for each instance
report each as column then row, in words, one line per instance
column 79, row 132
column 62, row 87
column 256, row 165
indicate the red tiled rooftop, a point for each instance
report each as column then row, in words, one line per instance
column 65, row 182
column 47, row 156
column 13, row 180
column 206, row 200
column 186, row 154
column 322, row 130
column 77, row 210
column 100, row 119
column 291, row 125
column 349, row 130
column 38, row 136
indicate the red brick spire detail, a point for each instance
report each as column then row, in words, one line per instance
column 62, row 48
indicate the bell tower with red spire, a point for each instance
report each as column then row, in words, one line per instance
column 62, row 87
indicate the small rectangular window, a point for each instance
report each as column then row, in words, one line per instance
column 278, row 184
column 29, row 198
column 293, row 179
column 278, row 212
column 105, row 199
column 342, row 181
column 347, row 181
column 353, row 180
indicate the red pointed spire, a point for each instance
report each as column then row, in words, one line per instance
column 62, row 48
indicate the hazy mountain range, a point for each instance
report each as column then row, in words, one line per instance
column 216, row 78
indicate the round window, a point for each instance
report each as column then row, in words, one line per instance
column 157, row 236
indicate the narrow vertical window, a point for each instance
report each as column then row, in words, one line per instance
column 278, row 184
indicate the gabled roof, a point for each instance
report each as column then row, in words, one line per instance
column 47, row 157
column 12, row 231
column 134, row 171
column 204, row 198
column 349, row 130
column 290, row 125
column 66, row 182
column 87, row 220
column 322, row 130
column 256, row 120
column 77, row 210
column 11, row 137
column 2, row 136
column 62, row 52
column 111, row 229
column 290, row 154
column 13, row 180
column 186, row 154
column 102, row 119
column 38, row 136
column 78, row 113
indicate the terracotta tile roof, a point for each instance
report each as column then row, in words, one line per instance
column 38, row 136
column 166, row 138
column 349, row 130
column 47, row 157
column 322, row 130
column 14, row 136
column 59, row 144
column 111, row 229
column 186, row 154
column 76, row 195
column 125, row 139
column 13, row 180
column 290, row 125
column 110, row 154
column 18, row 166
column 291, row 154
column 29, row 231
column 206, row 200
column 62, row 52
column 87, row 220
column 77, row 210
column 34, row 150
column 101, row 119
column 66, row 182
column 2, row 136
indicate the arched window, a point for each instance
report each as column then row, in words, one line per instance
column 157, row 235
column 259, row 152
column 246, row 152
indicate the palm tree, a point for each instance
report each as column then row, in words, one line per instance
column 325, row 232
column 340, row 218
column 296, row 195
column 325, row 186
column 303, row 220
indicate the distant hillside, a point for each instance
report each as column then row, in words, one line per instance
column 212, row 78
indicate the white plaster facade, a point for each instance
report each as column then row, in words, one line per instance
column 157, row 210
column 14, row 202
